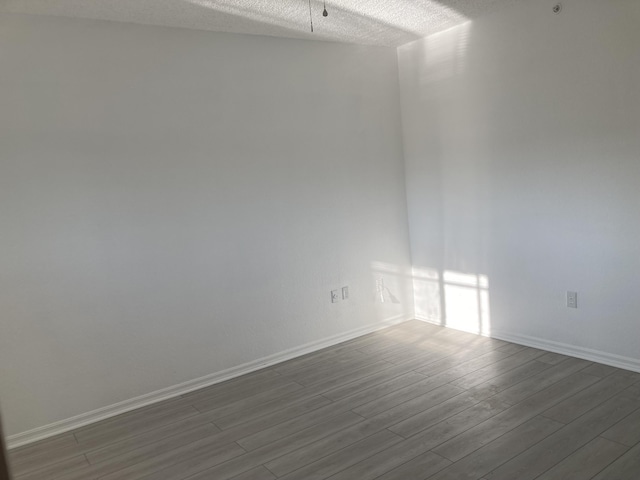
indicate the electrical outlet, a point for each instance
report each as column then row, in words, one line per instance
column 335, row 296
column 572, row 299
column 345, row 293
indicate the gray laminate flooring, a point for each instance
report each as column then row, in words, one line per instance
column 410, row 402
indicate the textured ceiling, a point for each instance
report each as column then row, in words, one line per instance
column 372, row 22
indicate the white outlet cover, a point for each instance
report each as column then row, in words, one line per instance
column 572, row 299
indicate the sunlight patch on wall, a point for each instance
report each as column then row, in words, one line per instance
column 466, row 298
column 445, row 54
column 453, row 299
column 427, row 292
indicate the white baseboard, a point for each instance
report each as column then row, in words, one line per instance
column 429, row 320
column 83, row 419
column 618, row 361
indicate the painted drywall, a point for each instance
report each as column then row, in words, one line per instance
column 523, row 174
column 175, row 203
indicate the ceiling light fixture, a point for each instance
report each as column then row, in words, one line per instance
column 325, row 13
column 310, row 16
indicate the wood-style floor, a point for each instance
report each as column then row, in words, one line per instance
column 411, row 402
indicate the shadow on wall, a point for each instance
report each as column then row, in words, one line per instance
column 453, row 299
column 392, row 287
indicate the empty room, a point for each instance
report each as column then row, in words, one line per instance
column 307, row 239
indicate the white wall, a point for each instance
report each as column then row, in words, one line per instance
column 522, row 148
column 174, row 203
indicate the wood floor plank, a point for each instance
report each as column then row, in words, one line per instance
column 512, row 348
column 284, row 429
column 43, row 460
column 465, row 363
column 379, row 337
column 400, row 396
column 427, row 418
column 145, row 414
column 424, row 360
column 634, row 389
column 497, row 452
column 335, row 361
column 510, row 378
column 432, row 343
column 343, row 458
column 215, row 410
column 185, row 441
column 396, row 340
column 278, row 448
column 600, row 370
column 388, row 349
column 279, row 417
column 450, row 427
column 626, row 431
column 382, row 462
column 312, row 360
column 555, row 448
column 238, row 393
column 40, row 454
column 181, row 432
column 624, row 468
column 175, row 461
column 250, row 380
column 592, row 396
column 123, row 430
column 258, row 473
column 235, row 392
column 127, row 449
column 586, row 462
column 252, row 412
column 496, row 369
column 553, row 358
column 546, row 378
column 348, row 436
column 372, row 380
column 55, row 470
column 348, row 376
column 332, row 372
column 484, row 433
column 634, row 375
column 193, row 464
column 424, row 354
column 419, row 468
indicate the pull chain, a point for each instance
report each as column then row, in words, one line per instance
column 324, row 13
